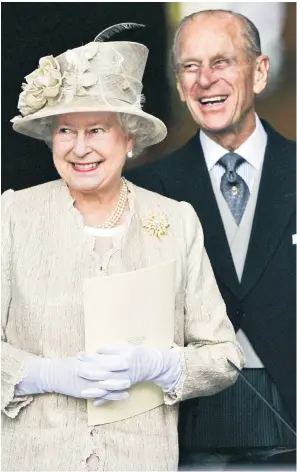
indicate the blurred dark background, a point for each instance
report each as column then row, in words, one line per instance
column 33, row 30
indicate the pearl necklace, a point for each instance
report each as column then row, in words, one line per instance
column 119, row 209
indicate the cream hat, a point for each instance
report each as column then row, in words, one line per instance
column 100, row 76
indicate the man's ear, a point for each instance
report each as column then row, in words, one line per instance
column 261, row 74
column 180, row 90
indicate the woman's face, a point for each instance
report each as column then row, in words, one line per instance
column 89, row 150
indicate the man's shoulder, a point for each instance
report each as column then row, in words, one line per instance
column 177, row 156
column 277, row 139
column 281, row 154
column 149, row 174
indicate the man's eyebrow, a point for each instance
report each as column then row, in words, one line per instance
column 188, row 59
column 224, row 55
column 219, row 55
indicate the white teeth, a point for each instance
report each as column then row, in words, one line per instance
column 86, row 166
column 213, row 99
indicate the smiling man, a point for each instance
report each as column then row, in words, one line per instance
column 218, row 73
column 240, row 176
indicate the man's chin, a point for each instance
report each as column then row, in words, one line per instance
column 227, row 122
column 217, row 128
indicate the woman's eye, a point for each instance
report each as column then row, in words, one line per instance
column 65, row 131
column 97, row 131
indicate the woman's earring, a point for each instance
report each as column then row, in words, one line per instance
column 130, row 153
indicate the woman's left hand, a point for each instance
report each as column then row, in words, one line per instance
column 144, row 364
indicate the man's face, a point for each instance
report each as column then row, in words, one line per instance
column 216, row 78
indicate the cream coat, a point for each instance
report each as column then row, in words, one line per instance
column 46, row 256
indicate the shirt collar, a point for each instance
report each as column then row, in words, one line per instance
column 252, row 150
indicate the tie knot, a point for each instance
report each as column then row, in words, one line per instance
column 233, row 187
column 231, row 161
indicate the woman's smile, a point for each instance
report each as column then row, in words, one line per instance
column 87, row 167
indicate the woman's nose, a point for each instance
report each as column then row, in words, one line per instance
column 81, row 147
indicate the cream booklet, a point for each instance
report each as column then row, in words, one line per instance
column 135, row 307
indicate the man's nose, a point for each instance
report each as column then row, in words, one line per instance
column 206, row 77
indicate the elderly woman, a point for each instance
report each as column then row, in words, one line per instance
column 86, row 104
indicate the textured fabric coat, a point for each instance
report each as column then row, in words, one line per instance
column 46, row 257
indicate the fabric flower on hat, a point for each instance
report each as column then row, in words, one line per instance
column 77, row 76
column 43, row 85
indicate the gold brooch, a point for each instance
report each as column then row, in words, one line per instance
column 157, row 225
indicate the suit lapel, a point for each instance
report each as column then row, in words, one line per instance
column 275, row 206
column 189, row 180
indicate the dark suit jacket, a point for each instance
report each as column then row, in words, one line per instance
column 264, row 304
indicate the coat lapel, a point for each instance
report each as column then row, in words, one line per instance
column 189, row 181
column 275, row 206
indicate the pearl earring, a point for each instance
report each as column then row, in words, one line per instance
column 130, row 153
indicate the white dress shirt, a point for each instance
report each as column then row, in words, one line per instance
column 249, row 170
column 254, row 161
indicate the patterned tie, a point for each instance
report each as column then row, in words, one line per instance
column 233, row 187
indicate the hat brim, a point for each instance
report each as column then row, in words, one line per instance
column 31, row 125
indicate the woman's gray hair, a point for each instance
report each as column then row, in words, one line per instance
column 138, row 128
column 249, row 31
column 132, row 125
column 46, row 126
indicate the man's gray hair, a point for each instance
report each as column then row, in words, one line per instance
column 132, row 125
column 250, row 33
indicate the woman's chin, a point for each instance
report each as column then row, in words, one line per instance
column 85, row 187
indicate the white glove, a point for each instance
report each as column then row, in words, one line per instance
column 46, row 375
column 144, row 364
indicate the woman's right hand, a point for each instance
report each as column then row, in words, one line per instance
column 45, row 375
